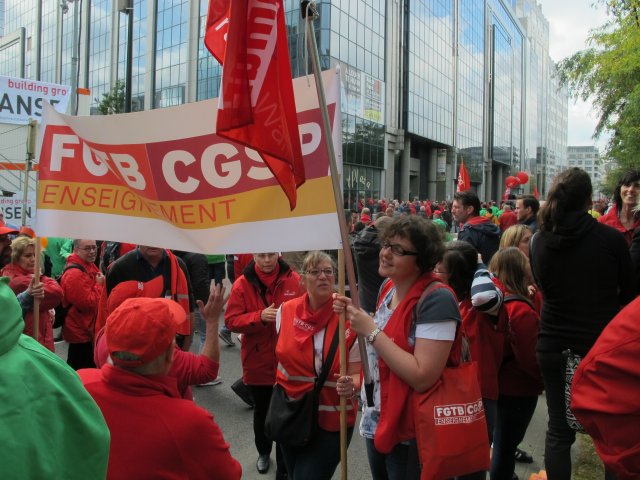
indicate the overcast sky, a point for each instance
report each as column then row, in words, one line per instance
column 569, row 25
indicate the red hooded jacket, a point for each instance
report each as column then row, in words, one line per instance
column 83, row 294
column 242, row 315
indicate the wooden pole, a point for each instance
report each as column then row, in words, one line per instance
column 343, row 371
column 36, row 280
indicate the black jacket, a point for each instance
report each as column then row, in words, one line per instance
column 366, row 251
column 483, row 234
column 584, row 271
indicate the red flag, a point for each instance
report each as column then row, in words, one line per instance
column 464, row 183
column 536, row 193
column 257, row 106
column 507, row 192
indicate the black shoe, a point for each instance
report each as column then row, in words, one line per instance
column 523, row 457
column 263, row 463
column 243, row 392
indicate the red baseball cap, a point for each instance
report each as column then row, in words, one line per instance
column 4, row 230
column 144, row 328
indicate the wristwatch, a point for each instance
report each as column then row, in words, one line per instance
column 372, row 336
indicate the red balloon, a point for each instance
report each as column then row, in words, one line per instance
column 523, row 177
column 512, row 182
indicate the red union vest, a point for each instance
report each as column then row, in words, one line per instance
column 396, row 396
column 296, row 371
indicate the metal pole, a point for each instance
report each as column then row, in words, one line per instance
column 344, row 235
column 129, row 74
column 31, row 154
column 74, row 59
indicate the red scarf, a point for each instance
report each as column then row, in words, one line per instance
column 268, row 279
column 307, row 323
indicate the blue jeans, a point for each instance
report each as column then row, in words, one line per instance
column 201, row 325
column 317, row 460
column 399, row 464
column 514, row 415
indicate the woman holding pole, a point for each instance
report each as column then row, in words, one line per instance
column 407, row 344
column 307, row 326
column 21, row 272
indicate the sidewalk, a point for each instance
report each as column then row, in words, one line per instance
column 534, row 441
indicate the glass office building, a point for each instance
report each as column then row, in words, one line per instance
column 426, row 84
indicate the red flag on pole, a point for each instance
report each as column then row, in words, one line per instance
column 257, row 106
column 464, row 183
column 536, row 193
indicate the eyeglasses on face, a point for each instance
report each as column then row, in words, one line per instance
column 397, row 250
column 89, row 248
column 316, row 272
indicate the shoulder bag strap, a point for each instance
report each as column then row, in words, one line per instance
column 326, row 366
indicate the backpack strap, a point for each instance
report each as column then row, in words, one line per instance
column 513, row 298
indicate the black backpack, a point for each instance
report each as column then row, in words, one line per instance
column 110, row 254
column 62, row 311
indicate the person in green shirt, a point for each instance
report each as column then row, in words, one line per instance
column 58, row 249
column 51, row 427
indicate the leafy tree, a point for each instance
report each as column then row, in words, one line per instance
column 113, row 101
column 608, row 73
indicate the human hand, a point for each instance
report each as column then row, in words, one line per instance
column 345, row 386
column 100, row 278
column 269, row 313
column 36, row 290
column 213, row 308
column 340, row 303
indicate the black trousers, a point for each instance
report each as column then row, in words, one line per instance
column 80, row 355
column 262, row 399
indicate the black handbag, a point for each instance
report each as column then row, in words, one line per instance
column 571, row 362
column 293, row 422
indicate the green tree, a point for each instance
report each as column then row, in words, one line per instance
column 608, row 74
column 113, row 101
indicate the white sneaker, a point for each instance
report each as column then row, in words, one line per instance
column 216, row 381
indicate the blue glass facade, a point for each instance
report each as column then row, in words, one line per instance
column 426, row 83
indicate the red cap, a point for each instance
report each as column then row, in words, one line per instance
column 4, row 230
column 143, row 327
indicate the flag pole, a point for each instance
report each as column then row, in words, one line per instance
column 36, row 280
column 309, row 13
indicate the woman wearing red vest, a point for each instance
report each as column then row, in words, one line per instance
column 407, row 347
column 306, row 328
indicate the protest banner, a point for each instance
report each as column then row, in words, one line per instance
column 21, row 99
column 164, row 178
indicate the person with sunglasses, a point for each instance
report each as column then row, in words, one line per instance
column 408, row 344
column 82, row 284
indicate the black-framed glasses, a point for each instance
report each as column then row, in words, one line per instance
column 397, row 250
column 316, row 272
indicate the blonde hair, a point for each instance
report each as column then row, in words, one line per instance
column 511, row 266
column 18, row 246
column 315, row 258
column 513, row 235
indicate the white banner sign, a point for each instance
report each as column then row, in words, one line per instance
column 21, row 99
column 164, row 178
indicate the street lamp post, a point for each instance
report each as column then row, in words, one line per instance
column 126, row 6
column 64, row 5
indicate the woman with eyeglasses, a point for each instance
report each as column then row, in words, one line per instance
column 307, row 326
column 266, row 282
column 21, row 272
column 407, row 344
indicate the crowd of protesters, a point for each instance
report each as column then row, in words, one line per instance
column 523, row 283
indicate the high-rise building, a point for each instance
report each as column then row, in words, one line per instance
column 588, row 159
column 426, row 83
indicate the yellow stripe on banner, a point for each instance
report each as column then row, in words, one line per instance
column 315, row 197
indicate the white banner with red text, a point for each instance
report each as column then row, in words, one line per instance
column 164, row 178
